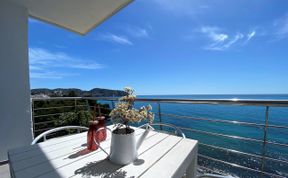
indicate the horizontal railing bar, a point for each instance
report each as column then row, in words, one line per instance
column 254, row 102
column 230, row 150
column 45, row 122
column 275, row 103
column 36, row 109
column 56, row 98
column 222, row 135
column 202, row 167
column 98, row 107
column 45, row 115
column 216, row 120
column 253, row 124
column 44, row 129
column 57, row 107
column 278, row 126
column 81, row 105
column 244, row 153
column 239, row 166
column 276, row 143
column 233, row 136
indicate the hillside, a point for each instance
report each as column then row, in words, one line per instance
column 75, row 92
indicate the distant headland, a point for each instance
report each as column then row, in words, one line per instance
column 75, row 92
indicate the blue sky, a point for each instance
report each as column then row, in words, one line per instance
column 170, row 47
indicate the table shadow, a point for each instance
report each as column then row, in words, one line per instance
column 103, row 168
column 39, row 167
column 138, row 162
column 79, row 153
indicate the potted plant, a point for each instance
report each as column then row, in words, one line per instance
column 124, row 113
column 123, row 142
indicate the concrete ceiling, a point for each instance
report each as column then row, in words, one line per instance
column 79, row 16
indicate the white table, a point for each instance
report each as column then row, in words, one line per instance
column 161, row 155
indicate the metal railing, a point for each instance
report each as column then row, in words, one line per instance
column 265, row 126
column 76, row 103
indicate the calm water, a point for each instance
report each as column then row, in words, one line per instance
column 255, row 114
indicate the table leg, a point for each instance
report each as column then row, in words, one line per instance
column 191, row 171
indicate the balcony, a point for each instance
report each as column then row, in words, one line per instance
column 229, row 144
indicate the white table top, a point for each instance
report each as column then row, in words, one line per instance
column 161, row 155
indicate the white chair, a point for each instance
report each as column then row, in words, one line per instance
column 44, row 134
column 177, row 130
column 214, row 176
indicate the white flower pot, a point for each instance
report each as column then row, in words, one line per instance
column 123, row 148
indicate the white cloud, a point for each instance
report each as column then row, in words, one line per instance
column 214, row 34
column 83, row 65
column 251, row 35
column 116, row 39
column 43, row 58
column 281, row 26
column 235, row 39
column 138, row 31
column 49, row 75
column 131, row 31
column 43, row 63
column 221, row 41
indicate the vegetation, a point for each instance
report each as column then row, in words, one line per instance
column 72, row 92
column 49, row 114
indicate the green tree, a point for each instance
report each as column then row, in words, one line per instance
column 72, row 94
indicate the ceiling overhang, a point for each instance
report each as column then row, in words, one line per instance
column 79, row 16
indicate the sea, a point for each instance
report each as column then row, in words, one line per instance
column 214, row 133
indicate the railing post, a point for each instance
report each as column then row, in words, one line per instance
column 87, row 105
column 265, row 139
column 88, row 109
column 113, row 104
column 75, row 104
column 159, row 115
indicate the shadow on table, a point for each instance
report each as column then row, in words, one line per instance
column 103, row 168
column 79, row 153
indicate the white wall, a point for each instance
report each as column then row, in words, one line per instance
column 15, row 108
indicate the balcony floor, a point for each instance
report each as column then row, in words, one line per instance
column 4, row 171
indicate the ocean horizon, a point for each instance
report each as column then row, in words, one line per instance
column 218, row 96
